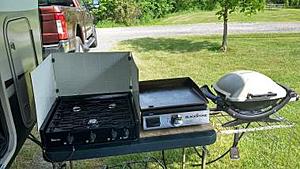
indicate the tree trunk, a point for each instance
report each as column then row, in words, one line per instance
column 224, row 42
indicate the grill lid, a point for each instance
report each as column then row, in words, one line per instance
column 246, row 85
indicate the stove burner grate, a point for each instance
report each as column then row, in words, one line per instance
column 91, row 112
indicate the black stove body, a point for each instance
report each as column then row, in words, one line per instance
column 85, row 101
column 86, row 121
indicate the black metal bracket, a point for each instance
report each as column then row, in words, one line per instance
column 234, row 151
column 34, row 140
column 237, row 122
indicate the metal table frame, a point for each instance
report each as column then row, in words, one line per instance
column 219, row 118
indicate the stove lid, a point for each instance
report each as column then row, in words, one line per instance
column 248, row 85
column 94, row 73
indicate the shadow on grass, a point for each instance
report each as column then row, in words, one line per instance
column 172, row 45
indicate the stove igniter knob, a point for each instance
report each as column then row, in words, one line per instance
column 92, row 137
column 114, row 134
column 176, row 120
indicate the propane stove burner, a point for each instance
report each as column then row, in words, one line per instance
column 92, row 119
column 112, row 106
column 76, row 109
column 93, row 123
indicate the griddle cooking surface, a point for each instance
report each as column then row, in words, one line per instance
column 169, row 98
column 169, row 93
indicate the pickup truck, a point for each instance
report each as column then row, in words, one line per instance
column 66, row 26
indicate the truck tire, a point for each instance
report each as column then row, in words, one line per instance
column 95, row 43
column 79, row 45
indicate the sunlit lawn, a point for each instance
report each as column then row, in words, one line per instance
column 274, row 15
column 276, row 55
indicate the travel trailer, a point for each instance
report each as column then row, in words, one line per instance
column 20, row 53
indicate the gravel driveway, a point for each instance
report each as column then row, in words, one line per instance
column 108, row 37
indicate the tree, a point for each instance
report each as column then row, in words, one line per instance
column 247, row 7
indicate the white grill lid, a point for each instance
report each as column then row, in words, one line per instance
column 245, row 85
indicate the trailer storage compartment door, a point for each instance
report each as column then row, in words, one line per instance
column 22, row 59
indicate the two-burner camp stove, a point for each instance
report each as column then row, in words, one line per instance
column 86, row 101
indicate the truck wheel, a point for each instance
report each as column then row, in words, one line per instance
column 95, row 43
column 79, row 45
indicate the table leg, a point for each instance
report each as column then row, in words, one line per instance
column 71, row 164
column 164, row 159
column 203, row 159
column 183, row 159
column 146, row 164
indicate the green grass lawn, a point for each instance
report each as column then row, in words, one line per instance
column 274, row 15
column 276, row 55
column 193, row 17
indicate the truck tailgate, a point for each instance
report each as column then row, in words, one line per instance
column 48, row 24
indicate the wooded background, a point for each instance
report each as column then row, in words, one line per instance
column 129, row 12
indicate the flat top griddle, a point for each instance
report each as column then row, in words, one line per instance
column 170, row 93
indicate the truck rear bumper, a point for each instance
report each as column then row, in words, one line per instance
column 62, row 46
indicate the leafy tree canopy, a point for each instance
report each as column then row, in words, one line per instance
column 247, row 7
column 243, row 6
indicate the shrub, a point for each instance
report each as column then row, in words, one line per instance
column 131, row 11
column 183, row 5
column 155, row 9
column 292, row 3
column 275, row 1
column 126, row 12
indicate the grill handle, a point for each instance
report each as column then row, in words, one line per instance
column 211, row 96
column 261, row 96
column 295, row 97
column 290, row 94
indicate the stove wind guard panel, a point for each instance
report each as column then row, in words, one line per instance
column 86, row 100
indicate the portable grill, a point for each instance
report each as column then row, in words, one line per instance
column 249, row 96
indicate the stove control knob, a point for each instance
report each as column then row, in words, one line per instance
column 126, row 133
column 92, row 137
column 114, row 134
column 176, row 120
column 70, row 139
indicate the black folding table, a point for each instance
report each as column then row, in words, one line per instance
column 154, row 140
